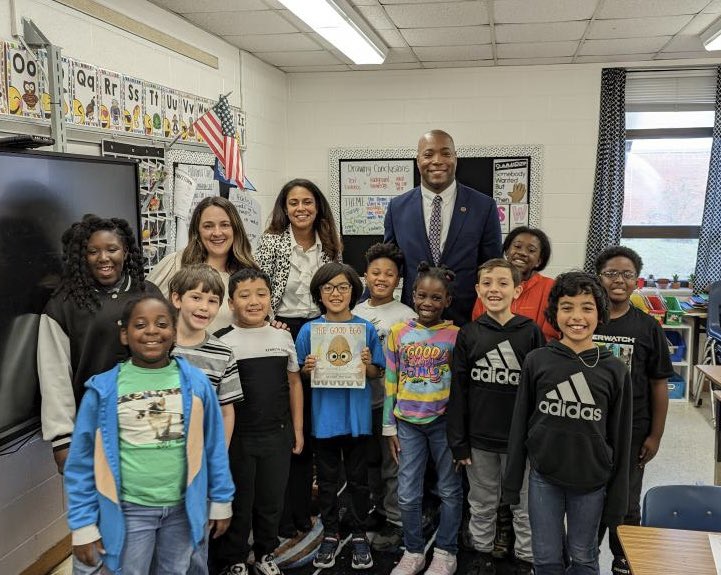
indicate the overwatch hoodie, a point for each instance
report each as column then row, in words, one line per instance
column 486, row 372
column 572, row 420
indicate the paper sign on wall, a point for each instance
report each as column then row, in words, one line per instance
column 23, row 82
column 510, row 180
column 133, row 105
column 85, row 108
column 171, row 113
column 66, row 89
column 3, row 80
column 503, row 217
column 249, row 210
column 153, row 113
column 202, row 105
column 187, row 117
column 338, row 347
column 110, row 89
column 519, row 215
column 366, row 189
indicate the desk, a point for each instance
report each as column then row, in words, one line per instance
column 653, row 551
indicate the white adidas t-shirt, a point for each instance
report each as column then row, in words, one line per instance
column 383, row 317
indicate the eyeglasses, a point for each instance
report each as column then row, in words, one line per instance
column 328, row 289
column 613, row 274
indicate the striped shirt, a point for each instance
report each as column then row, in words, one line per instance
column 418, row 372
column 216, row 360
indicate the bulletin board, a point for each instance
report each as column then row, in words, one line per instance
column 363, row 181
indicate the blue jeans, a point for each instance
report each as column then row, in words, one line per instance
column 417, row 441
column 157, row 535
column 548, row 505
column 199, row 559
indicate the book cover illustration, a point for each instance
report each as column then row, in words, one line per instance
column 338, row 347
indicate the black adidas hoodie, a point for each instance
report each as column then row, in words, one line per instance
column 486, row 372
column 573, row 422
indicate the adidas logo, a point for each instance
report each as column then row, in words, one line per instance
column 499, row 366
column 571, row 398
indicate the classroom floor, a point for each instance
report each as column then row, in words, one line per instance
column 686, row 457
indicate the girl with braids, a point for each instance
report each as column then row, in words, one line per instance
column 418, row 381
column 215, row 237
column 78, row 334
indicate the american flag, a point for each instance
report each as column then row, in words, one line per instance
column 217, row 129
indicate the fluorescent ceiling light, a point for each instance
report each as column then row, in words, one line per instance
column 341, row 27
column 711, row 37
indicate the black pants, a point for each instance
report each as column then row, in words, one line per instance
column 259, row 464
column 298, row 494
column 330, row 454
column 633, row 514
column 374, row 460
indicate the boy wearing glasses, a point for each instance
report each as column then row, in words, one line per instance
column 638, row 340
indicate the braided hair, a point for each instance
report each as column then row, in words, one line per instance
column 441, row 273
column 76, row 280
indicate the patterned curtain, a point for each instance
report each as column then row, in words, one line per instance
column 708, row 257
column 607, row 207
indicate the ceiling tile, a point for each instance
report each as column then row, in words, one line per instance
column 453, row 36
column 273, row 42
column 534, row 61
column 687, row 55
column 393, row 66
column 376, row 17
column 643, row 8
column 614, row 58
column 365, row 2
column 305, row 69
column 700, row 23
column 401, row 55
column 536, row 49
column 558, row 31
column 622, row 46
column 713, row 8
column 438, row 14
column 241, row 23
column 637, row 27
column 458, row 64
column 186, row 6
column 685, row 44
column 522, row 11
column 308, row 58
column 415, row 1
column 392, row 38
column 449, row 53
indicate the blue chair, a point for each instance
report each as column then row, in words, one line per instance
column 691, row 507
column 713, row 323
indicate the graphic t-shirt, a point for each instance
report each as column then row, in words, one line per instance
column 382, row 317
column 153, row 463
column 638, row 340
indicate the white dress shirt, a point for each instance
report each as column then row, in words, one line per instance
column 448, row 198
column 297, row 300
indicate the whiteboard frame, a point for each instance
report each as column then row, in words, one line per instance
column 534, row 151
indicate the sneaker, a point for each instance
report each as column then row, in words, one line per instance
column 523, row 567
column 267, row 566
column 502, row 544
column 235, row 569
column 389, row 538
column 362, row 558
column 410, row 564
column 483, row 565
column 620, row 566
column 443, row 563
column 325, row 557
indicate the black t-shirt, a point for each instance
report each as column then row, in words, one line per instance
column 638, row 340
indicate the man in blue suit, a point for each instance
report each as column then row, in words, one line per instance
column 460, row 230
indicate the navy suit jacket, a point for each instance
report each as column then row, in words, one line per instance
column 474, row 236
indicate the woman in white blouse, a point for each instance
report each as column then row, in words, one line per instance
column 301, row 237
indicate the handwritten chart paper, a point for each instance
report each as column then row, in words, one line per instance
column 366, row 189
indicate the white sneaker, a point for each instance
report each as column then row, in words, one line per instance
column 443, row 563
column 410, row 564
column 266, row 566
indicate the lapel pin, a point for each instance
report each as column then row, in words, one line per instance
column 463, row 208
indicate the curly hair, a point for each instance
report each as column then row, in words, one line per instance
column 324, row 223
column 615, row 252
column 441, row 273
column 327, row 272
column 575, row 283
column 389, row 251
column 542, row 238
column 241, row 253
column 76, row 281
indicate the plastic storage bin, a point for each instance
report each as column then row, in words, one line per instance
column 676, row 387
column 676, row 345
column 674, row 313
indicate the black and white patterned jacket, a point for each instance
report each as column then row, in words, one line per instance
column 273, row 256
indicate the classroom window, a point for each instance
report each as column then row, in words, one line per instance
column 667, row 161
